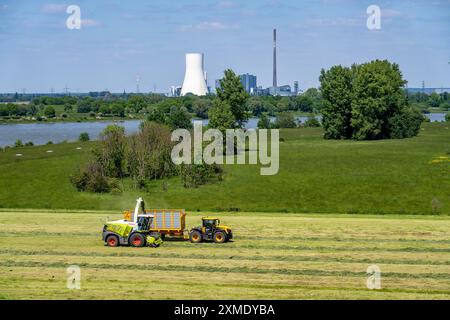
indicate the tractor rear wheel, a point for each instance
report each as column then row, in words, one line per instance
column 137, row 240
column 220, row 237
column 195, row 236
column 112, row 241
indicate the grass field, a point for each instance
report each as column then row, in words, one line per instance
column 274, row 256
column 316, row 175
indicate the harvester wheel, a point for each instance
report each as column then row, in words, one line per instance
column 195, row 236
column 112, row 241
column 137, row 240
column 220, row 237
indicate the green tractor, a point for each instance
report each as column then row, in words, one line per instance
column 211, row 230
column 130, row 233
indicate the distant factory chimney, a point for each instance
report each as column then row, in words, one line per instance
column 275, row 58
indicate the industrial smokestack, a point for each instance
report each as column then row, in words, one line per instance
column 275, row 58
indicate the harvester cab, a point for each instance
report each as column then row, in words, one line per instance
column 135, row 233
column 211, row 230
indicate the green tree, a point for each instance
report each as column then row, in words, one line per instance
column 264, row 122
column 68, row 107
column 136, row 103
column 179, row 118
column 220, row 116
column 112, row 149
column 232, row 93
column 49, row 112
column 434, row 100
column 377, row 96
column 336, row 88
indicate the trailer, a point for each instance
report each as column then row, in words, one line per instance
column 167, row 222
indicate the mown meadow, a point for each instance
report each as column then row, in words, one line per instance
column 273, row 256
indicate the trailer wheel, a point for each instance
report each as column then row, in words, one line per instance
column 112, row 241
column 220, row 237
column 195, row 236
column 137, row 240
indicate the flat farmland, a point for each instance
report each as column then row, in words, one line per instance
column 273, row 256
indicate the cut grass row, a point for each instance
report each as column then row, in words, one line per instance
column 326, row 258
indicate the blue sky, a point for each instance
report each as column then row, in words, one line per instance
column 121, row 39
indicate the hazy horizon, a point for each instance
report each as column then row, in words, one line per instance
column 118, row 41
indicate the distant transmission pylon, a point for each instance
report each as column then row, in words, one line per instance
column 138, row 78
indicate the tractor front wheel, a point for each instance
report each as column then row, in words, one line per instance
column 112, row 241
column 220, row 237
column 137, row 240
column 195, row 236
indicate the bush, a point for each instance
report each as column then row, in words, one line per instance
column 264, row 122
column 29, row 144
column 49, row 112
column 91, row 179
column 312, row 122
column 18, row 143
column 84, row 136
column 195, row 175
column 447, row 117
column 285, row 120
column 405, row 124
column 49, row 142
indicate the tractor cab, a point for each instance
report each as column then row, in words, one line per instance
column 210, row 223
column 144, row 222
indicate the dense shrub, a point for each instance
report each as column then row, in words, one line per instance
column 264, row 122
column 447, row 117
column 18, row 143
column 285, row 120
column 91, row 179
column 312, row 122
column 195, row 175
column 84, row 136
column 49, row 112
column 405, row 124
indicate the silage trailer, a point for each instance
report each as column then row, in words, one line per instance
column 168, row 222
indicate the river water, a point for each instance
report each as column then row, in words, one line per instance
column 41, row 133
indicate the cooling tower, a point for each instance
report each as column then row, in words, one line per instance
column 194, row 80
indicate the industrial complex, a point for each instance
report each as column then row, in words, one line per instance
column 196, row 82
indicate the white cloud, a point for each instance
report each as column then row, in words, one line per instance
column 390, row 13
column 226, row 4
column 54, row 8
column 209, row 26
column 89, row 23
column 336, row 22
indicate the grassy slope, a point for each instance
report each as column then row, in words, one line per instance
column 274, row 256
column 316, row 175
